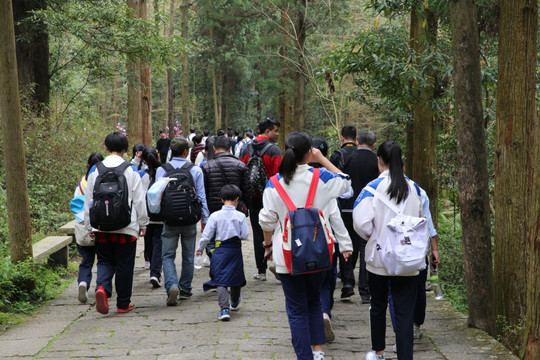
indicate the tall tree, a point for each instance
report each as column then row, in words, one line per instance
column 134, row 87
column 472, row 164
column 32, row 51
column 301, row 34
column 146, row 89
column 284, row 104
column 20, row 229
column 170, row 82
column 185, row 68
column 516, row 223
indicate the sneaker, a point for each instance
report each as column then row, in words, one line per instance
column 236, row 305
column 346, row 293
column 328, row 331
column 394, row 348
column 224, row 315
column 155, row 282
column 173, row 294
column 83, row 292
column 184, row 295
column 372, row 356
column 123, row 311
column 417, row 332
column 102, row 303
column 147, row 264
column 260, row 277
column 365, row 300
column 272, row 268
column 318, row 355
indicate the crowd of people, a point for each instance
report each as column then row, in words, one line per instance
column 220, row 181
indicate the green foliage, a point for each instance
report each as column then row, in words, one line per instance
column 510, row 335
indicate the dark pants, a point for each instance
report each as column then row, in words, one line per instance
column 116, row 260
column 152, row 241
column 88, row 254
column 223, row 296
column 420, row 305
column 404, row 298
column 303, row 305
column 328, row 286
column 258, row 237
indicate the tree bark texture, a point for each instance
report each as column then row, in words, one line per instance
column 170, row 82
column 134, row 126
column 146, row 90
column 300, row 100
column 284, row 104
column 186, row 122
column 20, row 228
column 472, row 165
column 32, row 52
column 516, row 173
column 423, row 161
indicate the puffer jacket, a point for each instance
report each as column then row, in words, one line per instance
column 234, row 170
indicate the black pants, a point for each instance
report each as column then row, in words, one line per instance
column 258, row 237
column 347, row 267
column 404, row 290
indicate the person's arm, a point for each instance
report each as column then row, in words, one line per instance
column 244, row 232
column 268, row 244
column 435, row 260
column 89, row 197
column 340, row 231
column 363, row 215
column 318, row 157
column 207, row 234
column 139, row 201
column 201, row 194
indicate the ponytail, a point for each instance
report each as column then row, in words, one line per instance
column 297, row 144
column 93, row 159
column 390, row 154
column 150, row 155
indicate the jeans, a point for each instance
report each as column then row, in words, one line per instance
column 88, row 254
column 169, row 245
column 152, row 240
column 328, row 286
column 303, row 305
column 258, row 237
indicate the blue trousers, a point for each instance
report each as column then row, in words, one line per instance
column 116, row 260
column 152, row 240
column 303, row 305
column 329, row 285
column 88, row 254
column 169, row 244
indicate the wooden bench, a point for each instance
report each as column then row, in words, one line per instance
column 54, row 248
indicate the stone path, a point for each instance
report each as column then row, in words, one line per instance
column 65, row 329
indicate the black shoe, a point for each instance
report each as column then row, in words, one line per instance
column 184, row 295
column 346, row 293
column 365, row 300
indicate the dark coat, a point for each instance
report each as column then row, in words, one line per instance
column 235, row 172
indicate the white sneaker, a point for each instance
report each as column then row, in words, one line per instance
column 318, row 355
column 83, row 292
column 372, row 356
column 155, row 282
column 328, row 331
column 417, row 332
column 147, row 264
column 394, row 348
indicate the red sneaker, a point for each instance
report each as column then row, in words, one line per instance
column 102, row 304
column 123, row 311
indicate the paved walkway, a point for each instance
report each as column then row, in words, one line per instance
column 65, row 329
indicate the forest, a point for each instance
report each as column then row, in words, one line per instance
column 454, row 82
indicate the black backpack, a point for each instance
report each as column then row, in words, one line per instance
column 111, row 209
column 179, row 204
column 256, row 170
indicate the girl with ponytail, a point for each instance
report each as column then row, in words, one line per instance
column 302, row 292
column 370, row 216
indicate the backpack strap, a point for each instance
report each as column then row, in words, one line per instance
column 263, row 150
column 167, row 167
column 313, row 187
column 122, row 167
column 384, row 199
column 282, row 193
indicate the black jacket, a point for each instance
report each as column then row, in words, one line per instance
column 235, row 172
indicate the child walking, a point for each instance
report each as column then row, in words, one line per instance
column 227, row 267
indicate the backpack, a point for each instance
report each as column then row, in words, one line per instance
column 308, row 245
column 111, row 209
column 404, row 240
column 179, row 204
column 257, row 172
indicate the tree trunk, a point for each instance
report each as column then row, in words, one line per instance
column 114, row 115
column 284, row 105
column 217, row 121
column 472, row 165
column 170, row 82
column 146, row 90
column 423, row 162
column 134, row 125
column 20, row 228
column 299, row 104
column 186, row 123
column 32, row 52
column 515, row 165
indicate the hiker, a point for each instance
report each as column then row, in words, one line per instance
column 302, row 292
column 370, row 217
column 85, row 244
column 162, row 145
column 115, row 231
column 228, row 227
column 136, row 156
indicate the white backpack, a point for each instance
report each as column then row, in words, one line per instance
column 403, row 249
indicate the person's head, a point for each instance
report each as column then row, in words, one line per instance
column 320, row 143
column 230, row 193
column 367, row 138
column 116, row 142
column 206, row 132
column 220, row 132
column 237, row 132
column 137, row 148
column 348, row 134
column 192, row 130
column 222, row 144
column 297, row 150
column 151, row 158
column 180, row 146
column 230, row 132
column 197, row 139
column 163, row 134
column 93, row 159
column 249, row 134
column 389, row 157
column 269, row 129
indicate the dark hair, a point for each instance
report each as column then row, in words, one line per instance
column 230, row 133
column 220, row 132
column 249, row 134
column 116, row 142
column 267, row 124
column 229, row 192
column 222, row 143
column 297, row 144
column 366, row 137
column 348, row 132
column 320, row 143
column 192, row 129
column 236, row 132
column 206, row 132
column 150, row 155
column 390, row 154
column 136, row 149
column 197, row 139
column 93, row 159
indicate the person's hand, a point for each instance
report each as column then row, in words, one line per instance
column 316, row 155
column 435, row 260
column 198, row 252
column 346, row 254
column 268, row 253
column 202, row 227
column 142, row 232
column 92, row 234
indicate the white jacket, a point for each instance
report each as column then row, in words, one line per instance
column 137, row 197
column 272, row 215
column 370, row 217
